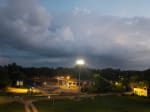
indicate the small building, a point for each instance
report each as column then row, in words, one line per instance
column 141, row 91
column 19, row 83
column 68, row 82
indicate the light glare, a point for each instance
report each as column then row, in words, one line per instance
column 80, row 62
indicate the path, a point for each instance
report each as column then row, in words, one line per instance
column 29, row 106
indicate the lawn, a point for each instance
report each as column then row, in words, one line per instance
column 12, row 107
column 100, row 104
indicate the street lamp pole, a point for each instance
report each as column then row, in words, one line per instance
column 80, row 63
column 79, row 76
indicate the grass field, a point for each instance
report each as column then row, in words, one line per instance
column 12, row 107
column 99, row 104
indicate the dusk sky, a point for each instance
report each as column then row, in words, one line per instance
column 54, row 33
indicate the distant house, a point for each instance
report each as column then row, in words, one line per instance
column 140, row 88
column 141, row 91
column 19, row 83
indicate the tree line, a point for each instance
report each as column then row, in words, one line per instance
column 104, row 79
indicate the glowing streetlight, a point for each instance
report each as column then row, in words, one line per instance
column 80, row 63
column 68, row 77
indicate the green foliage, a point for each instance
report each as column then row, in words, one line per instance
column 119, row 87
column 101, row 84
column 4, row 78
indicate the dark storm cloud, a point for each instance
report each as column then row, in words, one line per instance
column 31, row 36
column 22, row 22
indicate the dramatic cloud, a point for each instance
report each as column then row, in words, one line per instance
column 31, row 36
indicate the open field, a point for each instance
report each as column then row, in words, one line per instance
column 12, row 107
column 4, row 99
column 99, row 104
